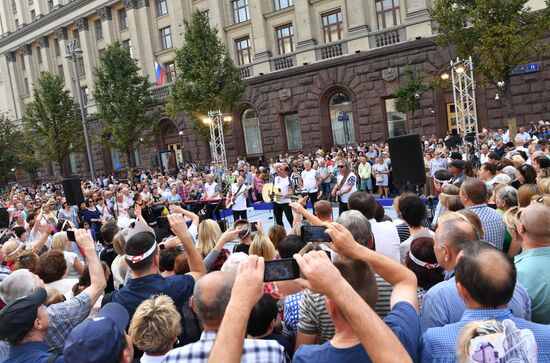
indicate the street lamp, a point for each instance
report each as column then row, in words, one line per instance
column 73, row 51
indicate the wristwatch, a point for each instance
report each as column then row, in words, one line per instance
column 162, row 246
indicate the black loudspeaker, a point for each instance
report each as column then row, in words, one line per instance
column 73, row 191
column 4, row 218
column 407, row 160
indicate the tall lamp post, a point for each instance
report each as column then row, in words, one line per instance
column 215, row 122
column 73, row 51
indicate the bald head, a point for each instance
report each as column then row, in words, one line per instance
column 456, row 234
column 487, row 274
column 535, row 220
column 211, row 296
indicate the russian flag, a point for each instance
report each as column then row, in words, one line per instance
column 159, row 74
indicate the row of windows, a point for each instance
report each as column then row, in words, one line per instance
column 341, row 119
column 241, row 12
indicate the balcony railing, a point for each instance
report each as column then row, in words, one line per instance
column 160, row 93
column 331, row 50
column 246, row 71
column 283, row 62
column 387, row 37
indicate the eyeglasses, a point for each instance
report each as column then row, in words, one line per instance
column 341, row 166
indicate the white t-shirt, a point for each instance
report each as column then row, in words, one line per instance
column 309, row 179
column 240, row 201
column 283, row 184
column 71, row 271
column 211, row 189
column 350, row 180
column 386, row 239
column 64, row 286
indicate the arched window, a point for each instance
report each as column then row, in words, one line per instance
column 252, row 132
column 341, row 116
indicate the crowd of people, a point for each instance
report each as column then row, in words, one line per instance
column 148, row 268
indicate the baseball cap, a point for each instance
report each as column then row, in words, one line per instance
column 98, row 339
column 17, row 318
column 459, row 164
column 502, row 179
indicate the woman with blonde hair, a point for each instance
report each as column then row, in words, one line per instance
column 511, row 219
column 12, row 249
column 209, row 235
column 60, row 242
column 262, row 246
column 155, row 328
column 276, row 234
column 526, row 193
column 119, row 267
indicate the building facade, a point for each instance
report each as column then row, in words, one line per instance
column 319, row 72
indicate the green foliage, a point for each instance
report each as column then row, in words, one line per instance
column 407, row 96
column 10, row 147
column 123, row 99
column 53, row 121
column 207, row 77
column 500, row 34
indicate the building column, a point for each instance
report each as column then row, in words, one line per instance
column 258, row 37
column 14, row 86
column 143, row 48
column 62, row 38
column 305, row 41
column 88, row 50
column 107, row 23
column 358, row 29
column 30, row 66
column 47, row 61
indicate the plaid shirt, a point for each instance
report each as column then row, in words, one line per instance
column 439, row 344
column 493, row 224
column 183, row 193
column 64, row 317
column 254, row 351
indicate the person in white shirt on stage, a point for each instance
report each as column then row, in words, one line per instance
column 212, row 192
column 345, row 185
column 310, row 180
column 237, row 194
column 284, row 189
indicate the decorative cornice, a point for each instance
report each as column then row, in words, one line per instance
column 26, row 49
column 135, row 4
column 82, row 24
column 129, row 4
column 10, row 57
column 105, row 13
column 43, row 41
column 61, row 33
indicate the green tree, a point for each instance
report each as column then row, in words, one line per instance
column 207, row 77
column 10, row 148
column 123, row 100
column 407, row 96
column 53, row 119
column 498, row 34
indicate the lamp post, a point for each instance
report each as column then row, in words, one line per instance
column 73, row 51
column 215, row 122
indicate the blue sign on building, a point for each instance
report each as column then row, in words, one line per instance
column 525, row 68
column 343, row 117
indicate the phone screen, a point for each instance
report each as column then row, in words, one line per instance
column 315, row 234
column 253, row 226
column 283, row 269
column 70, row 236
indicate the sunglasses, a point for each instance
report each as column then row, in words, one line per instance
column 341, row 166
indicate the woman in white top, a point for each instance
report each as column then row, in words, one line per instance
column 60, row 242
column 119, row 266
column 381, row 171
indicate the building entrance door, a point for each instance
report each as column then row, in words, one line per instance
column 177, row 148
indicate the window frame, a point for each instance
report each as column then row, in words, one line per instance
column 277, row 4
column 388, row 121
column 170, row 76
column 98, row 27
column 327, row 33
column 259, row 128
column 286, row 131
column 122, row 19
column 381, row 14
column 159, row 7
column 281, row 38
column 236, row 7
column 38, row 55
column 164, row 37
column 240, row 52
column 61, row 72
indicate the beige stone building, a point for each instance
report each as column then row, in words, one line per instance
column 305, row 61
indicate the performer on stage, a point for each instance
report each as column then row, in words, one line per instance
column 285, row 189
column 345, row 185
column 237, row 194
column 212, row 192
column 310, row 180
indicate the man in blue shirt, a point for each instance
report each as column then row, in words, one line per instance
column 142, row 256
column 23, row 323
column 442, row 304
column 346, row 345
column 485, row 279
